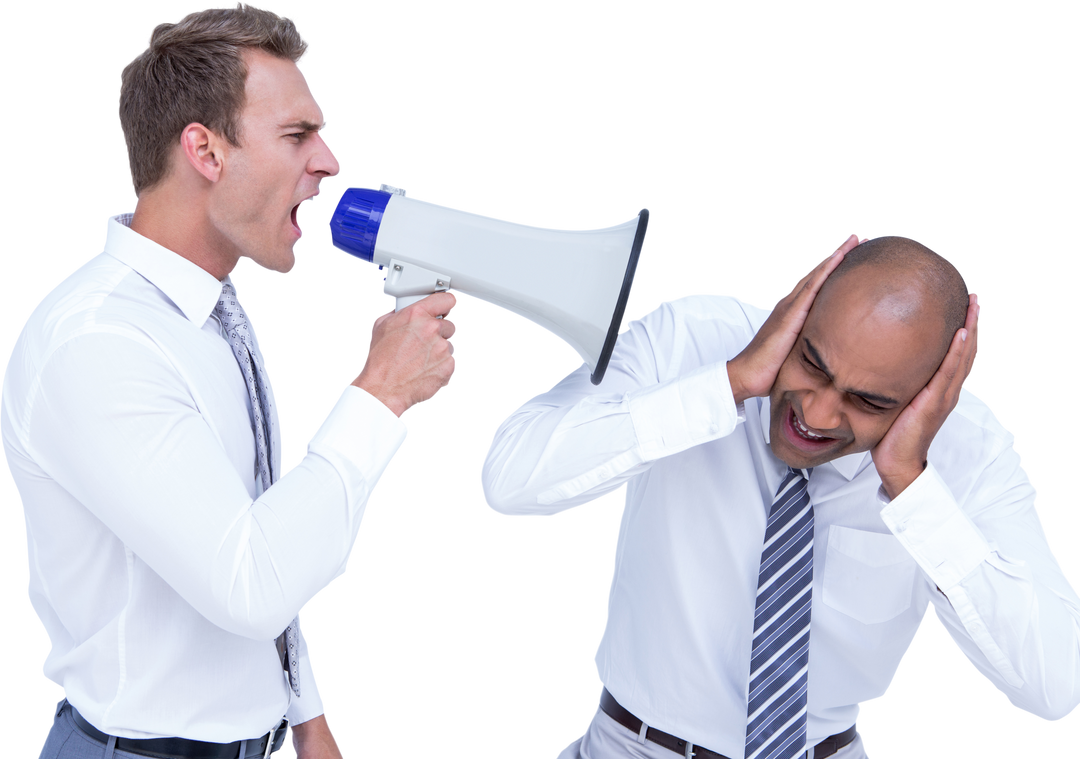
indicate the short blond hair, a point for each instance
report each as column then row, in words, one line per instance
column 194, row 71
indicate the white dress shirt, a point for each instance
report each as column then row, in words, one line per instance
column 700, row 480
column 161, row 571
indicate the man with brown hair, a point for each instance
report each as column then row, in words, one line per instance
column 169, row 556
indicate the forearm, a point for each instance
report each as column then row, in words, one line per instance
column 894, row 485
column 313, row 740
column 666, row 389
column 295, row 538
column 308, row 705
column 545, row 447
column 997, row 588
column 1019, row 632
column 570, row 445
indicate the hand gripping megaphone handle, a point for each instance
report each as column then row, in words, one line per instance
column 409, row 283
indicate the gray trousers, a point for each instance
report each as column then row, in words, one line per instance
column 607, row 739
column 67, row 741
column 64, row 739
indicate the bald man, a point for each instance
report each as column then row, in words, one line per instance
column 801, row 484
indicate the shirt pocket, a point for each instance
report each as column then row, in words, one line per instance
column 869, row 576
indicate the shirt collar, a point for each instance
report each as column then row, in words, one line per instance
column 848, row 466
column 194, row 290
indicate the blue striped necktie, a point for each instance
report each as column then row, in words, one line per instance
column 242, row 340
column 776, row 712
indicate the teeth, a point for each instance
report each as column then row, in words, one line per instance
column 806, row 433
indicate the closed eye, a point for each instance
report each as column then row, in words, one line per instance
column 811, row 365
column 821, row 371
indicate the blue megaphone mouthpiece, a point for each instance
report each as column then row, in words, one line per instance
column 355, row 223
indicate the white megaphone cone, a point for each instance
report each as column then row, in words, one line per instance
column 574, row 284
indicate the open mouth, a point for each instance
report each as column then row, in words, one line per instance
column 802, row 435
column 295, row 214
column 296, row 219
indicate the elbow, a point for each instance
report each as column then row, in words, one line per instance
column 1049, row 711
column 1049, row 704
column 500, row 495
column 254, row 624
column 495, row 499
column 1054, row 709
column 1059, row 694
column 250, row 609
column 501, row 490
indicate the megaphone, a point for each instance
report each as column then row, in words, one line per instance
column 574, row 284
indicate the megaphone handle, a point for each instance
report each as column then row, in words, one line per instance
column 408, row 300
column 409, row 283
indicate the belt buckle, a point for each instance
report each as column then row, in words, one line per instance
column 271, row 738
column 689, row 750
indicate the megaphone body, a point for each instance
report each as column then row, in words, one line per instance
column 574, row 284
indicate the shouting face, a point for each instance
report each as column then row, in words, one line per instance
column 279, row 165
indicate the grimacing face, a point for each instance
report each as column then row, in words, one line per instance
column 281, row 160
column 852, row 371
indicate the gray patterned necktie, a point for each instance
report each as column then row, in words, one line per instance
column 242, row 339
column 779, row 659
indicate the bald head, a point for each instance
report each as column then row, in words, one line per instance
column 875, row 335
column 905, row 281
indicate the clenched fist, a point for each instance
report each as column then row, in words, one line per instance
column 411, row 356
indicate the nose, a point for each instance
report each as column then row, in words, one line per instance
column 323, row 162
column 821, row 409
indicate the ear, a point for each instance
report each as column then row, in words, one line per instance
column 203, row 149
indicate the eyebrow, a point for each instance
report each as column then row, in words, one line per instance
column 874, row 397
column 307, row 126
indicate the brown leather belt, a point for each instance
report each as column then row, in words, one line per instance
column 613, row 709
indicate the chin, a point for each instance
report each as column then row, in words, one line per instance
column 800, row 460
column 785, row 454
column 282, row 269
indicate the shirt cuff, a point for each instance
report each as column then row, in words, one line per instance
column 681, row 413
column 359, row 438
column 942, row 539
column 308, row 705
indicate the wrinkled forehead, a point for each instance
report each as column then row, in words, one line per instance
column 275, row 90
column 882, row 341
